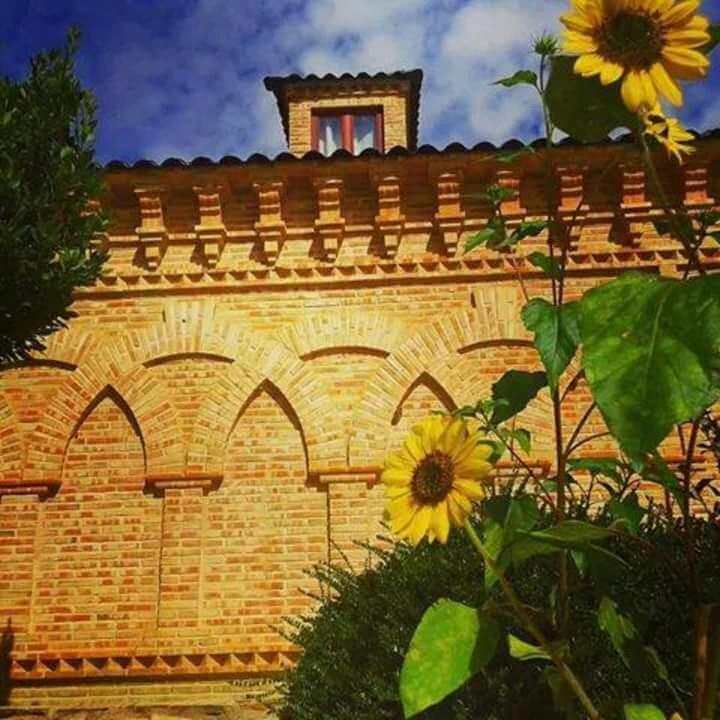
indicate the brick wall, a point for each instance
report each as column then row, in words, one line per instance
column 214, row 420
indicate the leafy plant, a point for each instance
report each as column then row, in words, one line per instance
column 47, row 180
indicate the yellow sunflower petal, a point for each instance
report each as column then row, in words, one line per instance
column 681, row 72
column 690, row 38
column 456, row 514
column 578, row 21
column 414, row 446
column 401, row 523
column 420, row 524
column 470, row 488
column 665, row 85
column 399, row 460
column 685, row 57
column 396, row 491
column 462, row 502
column 575, row 42
column 698, row 22
column 429, row 430
column 611, row 72
column 440, row 523
column 474, row 466
column 454, row 435
column 589, row 65
column 680, row 13
column 638, row 91
column 398, row 478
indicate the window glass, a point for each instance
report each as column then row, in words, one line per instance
column 364, row 126
column 329, row 135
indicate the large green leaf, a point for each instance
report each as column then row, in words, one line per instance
column 582, row 107
column 451, row 643
column 504, row 521
column 643, row 712
column 556, row 334
column 513, row 391
column 651, row 354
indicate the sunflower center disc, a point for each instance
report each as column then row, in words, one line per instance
column 433, row 478
column 632, row 40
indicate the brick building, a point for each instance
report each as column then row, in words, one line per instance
column 214, row 420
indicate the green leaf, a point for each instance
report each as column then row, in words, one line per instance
column 643, row 712
column 550, row 266
column 521, row 77
column 523, row 438
column 628, row 511
column 683, row 226
column 513, row 391
column 520, row 650
column 556, row 334
column 606, row 467
column 451, row 644
column 656, row 470
column 505, row 521
column 582, row 107
column 572, row 533
column 651, row 354
column 479, row 239
column 493, row 236
column 528, row 228
column 624, row 636
column 714, row 31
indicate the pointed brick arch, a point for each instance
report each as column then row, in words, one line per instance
column 260, row 361
column 121, row 363
column 11, row 445
column 434, row 350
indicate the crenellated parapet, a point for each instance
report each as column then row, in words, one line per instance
column 219, row 225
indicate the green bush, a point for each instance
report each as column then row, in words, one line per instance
column 354, row 644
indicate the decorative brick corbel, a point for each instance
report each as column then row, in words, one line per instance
column 389, row 221
column 572, row 208
column 157, row 484
column 330, row 224
column 512, row 207
column 696, row 195
column 628, row 223
column 40, row 490
column 450, row 217
column 270, row 226
column 211, row 231
column 100, row 239
column 151, row 231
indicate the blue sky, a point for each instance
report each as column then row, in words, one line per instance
column 184, row 77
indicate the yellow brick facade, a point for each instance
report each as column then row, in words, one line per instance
column 215, row 419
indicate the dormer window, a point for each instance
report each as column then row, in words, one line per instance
column 351, row 130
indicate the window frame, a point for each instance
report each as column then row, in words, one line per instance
column 347, row 126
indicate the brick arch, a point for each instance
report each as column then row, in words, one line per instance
column 435, row 387
column 120, row 362
column 68, row 346
column 342, row 329
column 11, row 444
column 264, row 361
column 434, row 349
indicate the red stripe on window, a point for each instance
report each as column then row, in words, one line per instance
column 379, row 132
column 346, row 128
column 315, row 132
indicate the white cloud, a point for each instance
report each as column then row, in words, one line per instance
column 198, row 88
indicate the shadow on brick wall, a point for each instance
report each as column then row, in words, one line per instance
column 7, row 640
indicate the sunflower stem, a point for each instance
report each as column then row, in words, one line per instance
column 525, row 618
column 690, row 248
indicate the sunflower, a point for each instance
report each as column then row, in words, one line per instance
column 431, row 483
column 650, row 44
column 668, row 132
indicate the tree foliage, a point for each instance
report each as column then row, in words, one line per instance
column 47, row 179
